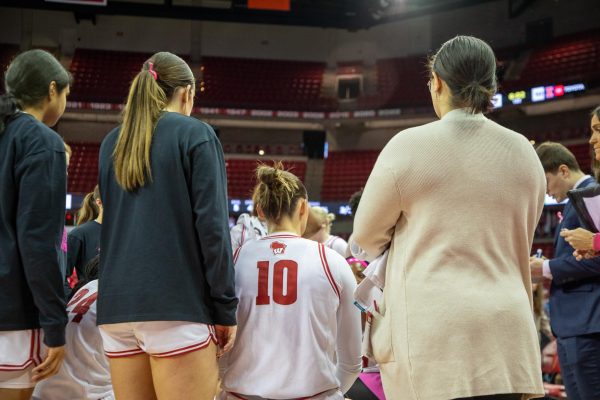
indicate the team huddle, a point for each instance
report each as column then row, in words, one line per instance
column 171, row 303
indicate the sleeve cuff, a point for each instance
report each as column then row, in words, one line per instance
column 54, row 336
column 546, row 269
column 596, row 242
column 224, row 314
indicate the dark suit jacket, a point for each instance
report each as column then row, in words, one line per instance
column 575, row 290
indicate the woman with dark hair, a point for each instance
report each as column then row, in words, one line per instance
column 164, row 190
column 32, row 211
column 83, row 242
column 456, row 202
column 586, row 243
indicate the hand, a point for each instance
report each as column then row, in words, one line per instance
column 225, row 338
column 584, row 254
column 579, row 239
column 537, row 270
column 51, row 364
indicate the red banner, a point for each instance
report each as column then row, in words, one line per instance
column 276, row 5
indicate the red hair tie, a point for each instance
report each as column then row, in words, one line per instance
column 152, row 71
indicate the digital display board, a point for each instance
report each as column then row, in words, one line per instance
column 536, row 94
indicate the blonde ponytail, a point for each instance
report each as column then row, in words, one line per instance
column 149, row 93
column 89, row 209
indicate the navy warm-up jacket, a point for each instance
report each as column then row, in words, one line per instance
column 32, row 215
column 165, row 248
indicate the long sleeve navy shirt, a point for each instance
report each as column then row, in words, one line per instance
column 83, row 244
column 165, row 248
column 32, row 214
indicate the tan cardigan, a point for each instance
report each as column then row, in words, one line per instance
column 458, row 201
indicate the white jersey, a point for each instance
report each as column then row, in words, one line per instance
column 299, row 333
column 84, row 373
column 247, row 228
column 339, row 245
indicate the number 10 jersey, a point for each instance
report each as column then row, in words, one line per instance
column 298, row 333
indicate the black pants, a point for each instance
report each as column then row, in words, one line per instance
column 579, row 359
column 511, row 396
column 359, row 391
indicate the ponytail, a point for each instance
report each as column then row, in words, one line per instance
column 468, row 66
column 27, row 81
column 89, row 209
column 149, row 93
column 277, row 191
column 8, row 108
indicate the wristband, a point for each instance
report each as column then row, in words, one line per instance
column 596, row 242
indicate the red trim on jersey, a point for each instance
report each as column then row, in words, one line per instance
column 236, row 253
column 30, row 360
column 185, row 350
column 281, row 236
column 124, row 353
column 327, row 270
column 243, row 234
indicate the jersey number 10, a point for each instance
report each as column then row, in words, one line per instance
column 291, row 292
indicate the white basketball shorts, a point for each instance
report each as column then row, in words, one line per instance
column 156, row 338
column 20, row 352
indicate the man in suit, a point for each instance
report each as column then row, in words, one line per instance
column 575, row 289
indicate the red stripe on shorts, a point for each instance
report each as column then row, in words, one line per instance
column 124, row 353
column 185, row 350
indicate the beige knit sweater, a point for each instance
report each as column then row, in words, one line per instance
column 458, row 201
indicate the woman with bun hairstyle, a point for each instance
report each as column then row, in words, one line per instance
column 33, row 172
column 299, row 331
column 456, row 202
column 83, row 242
column 164, row 191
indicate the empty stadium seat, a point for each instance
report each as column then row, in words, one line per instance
column 268, row 84
column 346, row 172
column 240, row 175
column 83, row 167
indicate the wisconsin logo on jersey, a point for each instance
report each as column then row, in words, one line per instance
column 278, row 248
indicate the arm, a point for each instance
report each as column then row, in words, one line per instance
column 568, row 269
column 349, row 330
column 236, row 235
column 40, row 218
column 209, row 200
column 74, row 256
column 379, row 209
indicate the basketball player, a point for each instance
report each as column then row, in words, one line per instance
column 299, row 332
column 248, row 227
column 83, row 242
column 324, row 234
column 32, row 213
column 164, row 189
column 84, row 374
